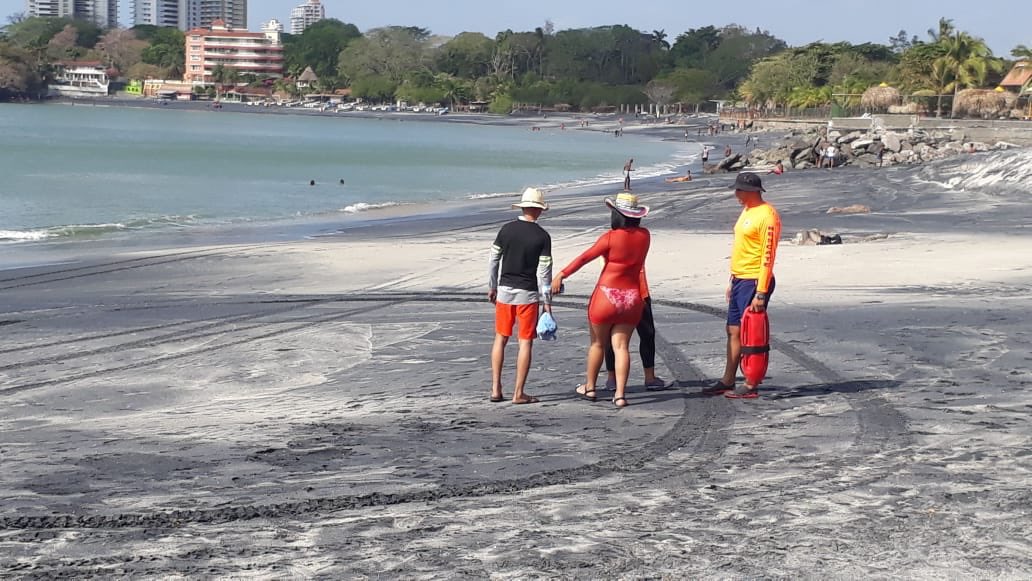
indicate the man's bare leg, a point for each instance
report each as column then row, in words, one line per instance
column 497, row 361
column 734, row 354
column 523, row 359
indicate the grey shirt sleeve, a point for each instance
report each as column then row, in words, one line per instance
column 494, row 264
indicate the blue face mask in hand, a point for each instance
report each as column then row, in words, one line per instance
column 546, row 327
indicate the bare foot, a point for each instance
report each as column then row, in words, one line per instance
column 525, row 400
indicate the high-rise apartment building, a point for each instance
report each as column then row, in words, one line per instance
column 50, row 8
column 103, row 13
column 159, row 12
column 305, row 15
column 188, row 14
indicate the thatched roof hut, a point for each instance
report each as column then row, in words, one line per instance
column 983, row 103
column 881, row 97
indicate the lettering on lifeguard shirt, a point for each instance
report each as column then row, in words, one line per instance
column 756, row 243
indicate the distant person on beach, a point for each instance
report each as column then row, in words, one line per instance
column 779, row 168
column 830, row 154
column 878, row 149
column 519, row 280
column 627, row 169
column 685, row 178
column 311, row 182
column 727, row 150
column 616, row 304
column 752, row 275
column 705, row 154
column 646, row 329
column 686, row 134
column 342, row 181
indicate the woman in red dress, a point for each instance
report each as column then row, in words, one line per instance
column 616, row 303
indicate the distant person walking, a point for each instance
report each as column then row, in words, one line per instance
column 627, row 169
column 519, row 280
column 705, row 154
column 752, row 275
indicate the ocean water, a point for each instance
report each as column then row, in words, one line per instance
column 80, row 171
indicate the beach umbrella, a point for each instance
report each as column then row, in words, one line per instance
column 881, row 97
column 982, row 102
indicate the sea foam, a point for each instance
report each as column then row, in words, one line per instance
column 999, row 172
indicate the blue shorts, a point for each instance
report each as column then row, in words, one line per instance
column 742, row 292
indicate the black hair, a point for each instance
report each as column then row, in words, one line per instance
column 618, row 221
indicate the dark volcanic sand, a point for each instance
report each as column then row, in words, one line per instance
column 198, row 413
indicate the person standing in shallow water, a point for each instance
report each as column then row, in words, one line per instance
column 519, row 280
column 752, row 275
column 627, row 169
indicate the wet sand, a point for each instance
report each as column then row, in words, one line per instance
column 319, row 408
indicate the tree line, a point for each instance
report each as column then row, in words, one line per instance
column 581, row 69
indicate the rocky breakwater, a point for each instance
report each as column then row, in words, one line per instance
column 863, row 149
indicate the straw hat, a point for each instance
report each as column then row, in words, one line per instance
column 627, row 204
column 532, row 198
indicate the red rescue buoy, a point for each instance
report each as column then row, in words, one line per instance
column 755, row 346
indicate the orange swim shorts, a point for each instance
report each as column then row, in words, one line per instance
column 525, row 315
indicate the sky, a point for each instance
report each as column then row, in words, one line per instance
column 1002, row 23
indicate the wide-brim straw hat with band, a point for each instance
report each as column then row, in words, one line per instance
column 532, row 198
column 627, row 204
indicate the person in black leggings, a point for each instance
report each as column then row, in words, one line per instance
column 647, row 349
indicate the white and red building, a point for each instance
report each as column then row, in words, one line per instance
column 259, row 53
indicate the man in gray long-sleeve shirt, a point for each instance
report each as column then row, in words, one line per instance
column 519, row 279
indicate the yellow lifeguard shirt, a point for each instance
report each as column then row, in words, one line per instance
column 756, row 242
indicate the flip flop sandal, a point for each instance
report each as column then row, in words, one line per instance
column 530, row 399
column 717, row 388
column 616, row 401
column 584, row 394
column 743, row 393
column 496, row 399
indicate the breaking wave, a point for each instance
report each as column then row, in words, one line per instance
column 995, row 173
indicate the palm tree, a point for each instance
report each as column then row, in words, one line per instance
column 1022, row 53
column 966, row 63
column 946, row 30
column 659, row 38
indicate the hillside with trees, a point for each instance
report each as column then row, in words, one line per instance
column 586, row 69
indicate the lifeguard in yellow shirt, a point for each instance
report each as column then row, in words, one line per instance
column 752, row 275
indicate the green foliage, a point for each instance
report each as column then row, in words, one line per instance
column 468, row 55
column 19, row 75
column 36, row 32
column 693, row 85
column 167, row 48
column 319, row 47
column 374, row 88
column 394, row 53
column 501, row 105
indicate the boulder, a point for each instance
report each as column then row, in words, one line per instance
column 861, row 143
column 866, row 160
column 892, row 142
column 854, row 209
column 851, row 137
column 808, row 238
column 734, row 163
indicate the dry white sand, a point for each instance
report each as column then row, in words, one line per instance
column 319, row 408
